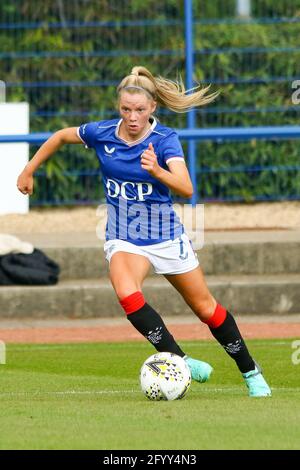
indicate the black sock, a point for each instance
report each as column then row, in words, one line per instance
column 229, row 336
column 149, row 323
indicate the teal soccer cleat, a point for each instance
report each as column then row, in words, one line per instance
column 200, row 370
column 256, row 384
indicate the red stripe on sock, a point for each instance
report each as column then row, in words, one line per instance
column 133, row 302
column 217, row 318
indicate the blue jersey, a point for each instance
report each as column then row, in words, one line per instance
column 139, row 207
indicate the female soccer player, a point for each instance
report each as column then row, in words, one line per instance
column 141, row 161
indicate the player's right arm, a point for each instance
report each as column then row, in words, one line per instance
column 57, row 140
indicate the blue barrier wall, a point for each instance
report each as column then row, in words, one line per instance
column 66, row 58
column 217, row 135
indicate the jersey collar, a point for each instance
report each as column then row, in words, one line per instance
column 141, row 139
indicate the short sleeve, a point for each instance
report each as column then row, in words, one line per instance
column 171, row 148
column 87, row 132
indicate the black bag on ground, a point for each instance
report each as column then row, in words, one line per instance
column 4, row 279
column 28, row 269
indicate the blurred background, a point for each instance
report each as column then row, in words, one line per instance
column 66, row 58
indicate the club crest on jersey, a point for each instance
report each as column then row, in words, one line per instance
column 108, row 151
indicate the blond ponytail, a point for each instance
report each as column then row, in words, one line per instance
column 170, row 94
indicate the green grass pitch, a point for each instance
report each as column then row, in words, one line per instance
column 87, row 396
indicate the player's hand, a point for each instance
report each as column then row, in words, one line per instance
column 25, row 182
column 149, row 161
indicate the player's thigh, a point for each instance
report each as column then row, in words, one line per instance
column 127, row 272
column 194, row 290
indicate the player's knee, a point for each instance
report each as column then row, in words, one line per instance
column 124, row 288
column 124, row 291
column 205, row 308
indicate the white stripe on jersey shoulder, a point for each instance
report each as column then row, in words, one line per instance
column 160, row 133
column 181, row 159
column 107, row 127
column 77, row 132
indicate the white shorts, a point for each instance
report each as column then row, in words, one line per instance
column 169, row 257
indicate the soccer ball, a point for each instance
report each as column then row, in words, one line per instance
column 165, row 376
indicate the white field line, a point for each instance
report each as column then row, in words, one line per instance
column 46, row 347
column 70, row 392
column 116, row 392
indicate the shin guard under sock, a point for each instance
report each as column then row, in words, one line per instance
column 149, row 323
column 224, row 328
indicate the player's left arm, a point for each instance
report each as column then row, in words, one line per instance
column 177, row 178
